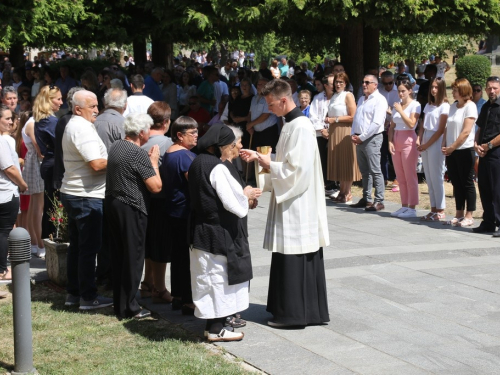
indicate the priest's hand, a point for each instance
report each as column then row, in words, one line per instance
column 265, row 160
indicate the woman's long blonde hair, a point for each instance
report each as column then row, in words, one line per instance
column 42, row 108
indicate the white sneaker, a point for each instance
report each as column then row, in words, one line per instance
column 41, row 252
column 399, row 212
column 410, row 212
column 225, row 335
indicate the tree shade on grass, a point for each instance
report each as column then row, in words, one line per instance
column 67, row 342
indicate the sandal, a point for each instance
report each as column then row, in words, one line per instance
column 466, row 223
column 428, row 217
column 146, row 289
column 454, row 222
column 438, row 216
column 161, row 297
column 235, row 321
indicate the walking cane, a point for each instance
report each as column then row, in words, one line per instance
column 249, row 147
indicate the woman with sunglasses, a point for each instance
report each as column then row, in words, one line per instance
column 430, row 137
column 402, row 146
column 458, row 147
column 48, row 101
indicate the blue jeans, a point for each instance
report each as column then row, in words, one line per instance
column 85, row 238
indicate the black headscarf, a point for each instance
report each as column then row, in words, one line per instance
column 217, row 135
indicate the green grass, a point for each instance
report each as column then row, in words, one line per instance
column 66, row 341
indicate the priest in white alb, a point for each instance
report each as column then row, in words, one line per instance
column 297, row 228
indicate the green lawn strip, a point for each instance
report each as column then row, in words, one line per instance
column 66, row 341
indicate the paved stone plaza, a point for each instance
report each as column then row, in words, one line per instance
column 405, row 297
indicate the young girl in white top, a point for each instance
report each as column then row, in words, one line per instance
column 458, row 147
column 403, row 148
column 430, row 137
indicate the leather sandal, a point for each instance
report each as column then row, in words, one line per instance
column 146, row 289
column 235, row 321
column 161, row 297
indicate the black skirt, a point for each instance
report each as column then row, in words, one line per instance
column 297, row 289
column 157, row 248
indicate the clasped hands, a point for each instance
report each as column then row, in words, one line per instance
column 250, row 155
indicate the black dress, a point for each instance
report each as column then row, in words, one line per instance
column 241, row 108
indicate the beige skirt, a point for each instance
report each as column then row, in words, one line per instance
column 342, row 161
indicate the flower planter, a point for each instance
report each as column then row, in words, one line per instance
column 55, row 258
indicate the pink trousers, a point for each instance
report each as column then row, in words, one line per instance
column 405, row 165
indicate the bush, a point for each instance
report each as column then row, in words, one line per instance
column 475, row 68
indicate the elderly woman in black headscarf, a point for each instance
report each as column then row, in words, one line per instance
column 220, row 258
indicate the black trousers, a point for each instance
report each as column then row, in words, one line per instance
column 47, row 173
column 489, row 187
column 127, row 237
column 8, row 216
column 180, row 273
column 460, row 166
column 323, row 155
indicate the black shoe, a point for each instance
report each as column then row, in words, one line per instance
column 496, row 233
column 361, row 204
column 483, row 229
column 144, row 313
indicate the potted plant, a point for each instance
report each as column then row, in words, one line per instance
column 56, row 246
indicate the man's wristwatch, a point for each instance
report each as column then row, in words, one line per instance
column 490, row 145
column 337, row 119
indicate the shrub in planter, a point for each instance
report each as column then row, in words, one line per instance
column 475, row 68
column 57, row 245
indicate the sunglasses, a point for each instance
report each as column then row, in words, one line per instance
column 388, row 83
column 477, row 90
column 493, row 78
column 52, row 87
column 367, row 82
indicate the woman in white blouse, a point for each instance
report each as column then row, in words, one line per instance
column 430, row 137
column 403, row 148
column 458, row 147
column 342, row 161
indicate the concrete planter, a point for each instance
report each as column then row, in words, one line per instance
column 55, row 258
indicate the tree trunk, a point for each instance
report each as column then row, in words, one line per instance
column 16, row 56
column 371, row 48
column 351, row 53
column 411, row 67
column 162, row 51
column 139, row 45
column 224, row 55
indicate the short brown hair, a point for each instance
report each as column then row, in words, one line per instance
column 464, row 88
column 181, row 125
column 278, row 88
column 159, row 112
column 342, row 76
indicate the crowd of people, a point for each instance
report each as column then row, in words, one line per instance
column 152, row 167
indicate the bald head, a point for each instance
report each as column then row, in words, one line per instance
column 85, row 105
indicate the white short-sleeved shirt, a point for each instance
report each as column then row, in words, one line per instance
column 413, row 107
column 433, row 114
column 81, row 144
column 455, row 124
column 8, row 158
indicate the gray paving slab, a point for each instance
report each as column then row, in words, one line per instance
column 405, row 297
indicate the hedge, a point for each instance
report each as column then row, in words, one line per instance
column 475, row 68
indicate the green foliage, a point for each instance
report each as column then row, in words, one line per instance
column 396, row 47
column 475, row 68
